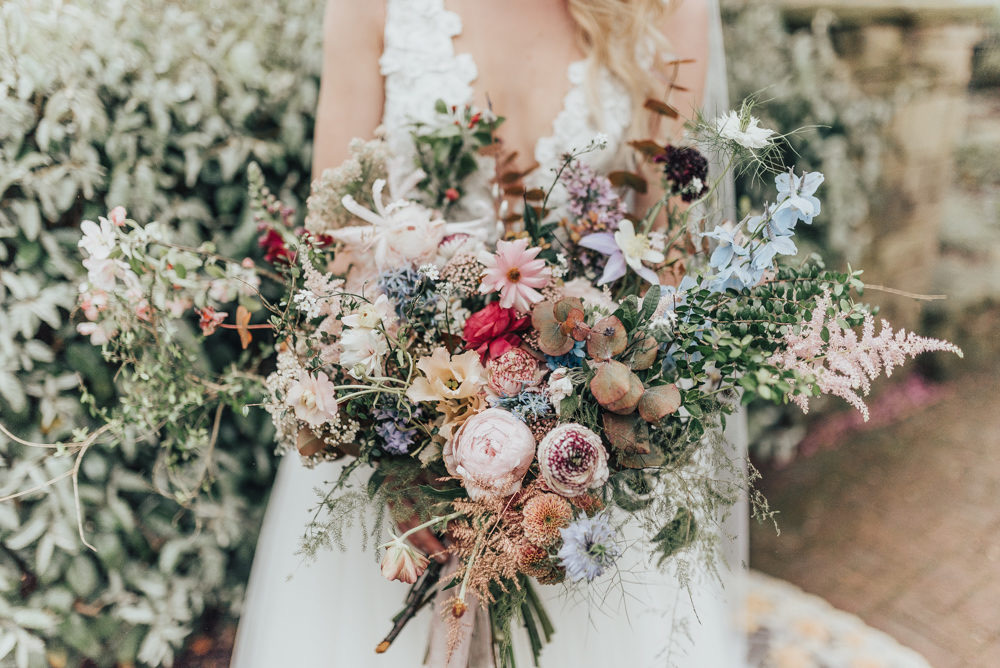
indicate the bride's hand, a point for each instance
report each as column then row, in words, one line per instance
column 424, row 540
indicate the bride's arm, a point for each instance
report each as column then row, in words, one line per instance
column 686, row 30
column 351, row 98
column 351, row 94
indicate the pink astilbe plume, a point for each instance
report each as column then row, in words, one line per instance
column 845, row 365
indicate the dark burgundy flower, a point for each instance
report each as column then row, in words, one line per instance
column 686, row 170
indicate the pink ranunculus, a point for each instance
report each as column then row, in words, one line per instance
column 512, row 372
column 572, row 460
column 492, row 331
column 402, row 562
column 313, row 398
column 491, row 452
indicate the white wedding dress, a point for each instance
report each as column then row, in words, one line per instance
column 333, row 611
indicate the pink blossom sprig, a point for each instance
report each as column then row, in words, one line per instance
column 835, row 361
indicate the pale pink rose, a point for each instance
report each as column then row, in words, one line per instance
column 513, row 372
column 313, row 398
column 572, row 460
column 402, row 562
column 491, row 452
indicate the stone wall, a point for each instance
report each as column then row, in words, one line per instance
column 917, row 55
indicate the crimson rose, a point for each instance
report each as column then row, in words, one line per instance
column 493, row 331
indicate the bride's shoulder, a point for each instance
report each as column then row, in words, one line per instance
column 354, row 20
column 686, row 19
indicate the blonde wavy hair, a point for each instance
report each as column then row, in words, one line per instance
column 614, row 33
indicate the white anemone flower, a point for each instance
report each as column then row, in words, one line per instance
column 730, row 126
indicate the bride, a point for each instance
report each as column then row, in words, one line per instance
column 565, row 70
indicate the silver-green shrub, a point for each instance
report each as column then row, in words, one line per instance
column 156, row 105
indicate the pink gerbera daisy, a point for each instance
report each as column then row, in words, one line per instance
column 516, row 274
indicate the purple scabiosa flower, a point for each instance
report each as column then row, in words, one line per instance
column 685, row 170
column 589, row 548
column 394, row 432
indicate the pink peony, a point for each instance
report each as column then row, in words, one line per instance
column 572, row 460
column 402, row 562
column 493, row 331
column 516, row 274
column 313, row 398
column 491, row 452
column 512, row 372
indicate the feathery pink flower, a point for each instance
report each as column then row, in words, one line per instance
column 516, row 274
column 844, row 365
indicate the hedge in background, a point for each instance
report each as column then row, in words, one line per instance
column 800, row 82
column 157, row 106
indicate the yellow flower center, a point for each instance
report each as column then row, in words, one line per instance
column 514, row 275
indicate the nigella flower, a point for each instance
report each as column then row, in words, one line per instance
column 589, row 548
column 392, row 428
column 571, row 360
column 743, row 130
column 402, row 286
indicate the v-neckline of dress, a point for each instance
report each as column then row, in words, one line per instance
column 574, row 78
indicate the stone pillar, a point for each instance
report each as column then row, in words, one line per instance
column 917, row 54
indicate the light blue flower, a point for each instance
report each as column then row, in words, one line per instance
column 763, row 257
column 727, row 248
column 796, row 200
column 589, row 548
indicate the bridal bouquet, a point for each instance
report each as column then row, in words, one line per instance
column 523, row 381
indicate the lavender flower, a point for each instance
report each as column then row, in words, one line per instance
column 589, row 548
column 593, row 202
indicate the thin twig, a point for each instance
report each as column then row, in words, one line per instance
column 47, row 483
column 904, row 293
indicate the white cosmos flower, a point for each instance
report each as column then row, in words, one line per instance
column 730, row 126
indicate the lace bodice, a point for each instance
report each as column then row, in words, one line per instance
column 420, row 66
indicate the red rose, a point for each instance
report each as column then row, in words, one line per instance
column 493, row 331
column 274, row 246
